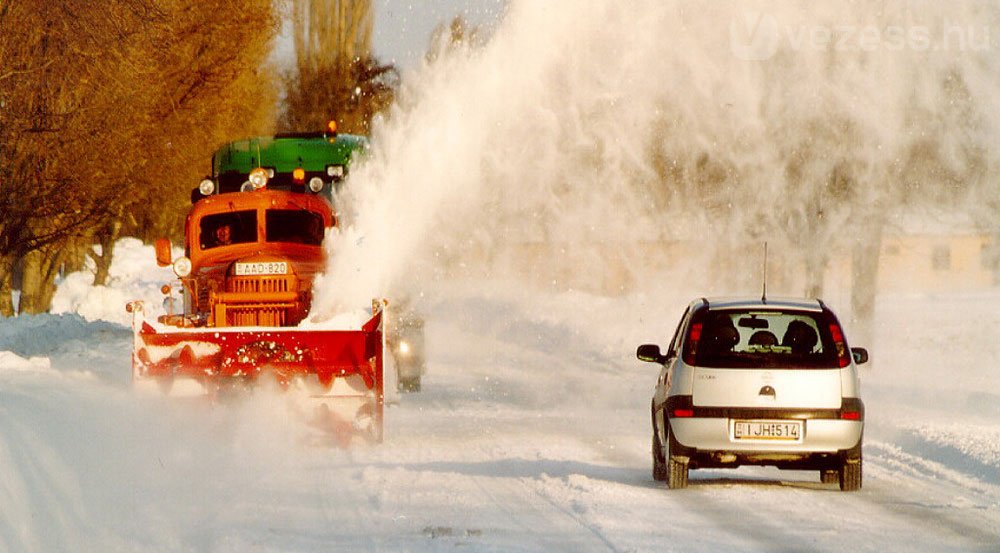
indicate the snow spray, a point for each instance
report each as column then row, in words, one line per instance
column 595, row 145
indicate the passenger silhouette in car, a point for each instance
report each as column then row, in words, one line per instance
column 800, row 337
column 720, row 334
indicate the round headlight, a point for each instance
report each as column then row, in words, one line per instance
column 206, row 187
column 315, row 184
column 258, row 178
column 182, row 267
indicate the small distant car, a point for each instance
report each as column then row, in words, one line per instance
column 758, row 381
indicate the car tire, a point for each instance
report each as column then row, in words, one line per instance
column 659, row 462
column 677, row 467
column 850, row 474
column 829, row 476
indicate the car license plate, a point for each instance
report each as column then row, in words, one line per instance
column 261, row 268
column 782, row 431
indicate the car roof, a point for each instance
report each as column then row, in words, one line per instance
column 752, row 302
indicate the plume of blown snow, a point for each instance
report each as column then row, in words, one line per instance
column 582, row 141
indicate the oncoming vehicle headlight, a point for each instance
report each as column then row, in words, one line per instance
column 182, row 267
column 404, row 348
column 315, row 184
column 206, row 187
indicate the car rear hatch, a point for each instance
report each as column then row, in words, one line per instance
column 765, row 357
column 767, row 388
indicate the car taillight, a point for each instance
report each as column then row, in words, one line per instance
column 852, row 409
column 679, row 407
column 843, row 355
column 694, row 335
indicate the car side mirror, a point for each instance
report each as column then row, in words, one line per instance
column 860, row 355
column 649, row 353
column 163, row 253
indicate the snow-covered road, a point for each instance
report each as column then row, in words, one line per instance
column 531, row 434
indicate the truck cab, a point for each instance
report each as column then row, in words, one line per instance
column 251, row 257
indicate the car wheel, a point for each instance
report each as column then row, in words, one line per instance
column 659, row 463
column 829, row 476
column 850, row 474
column 677, row 467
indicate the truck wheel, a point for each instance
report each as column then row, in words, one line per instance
column 829, row 476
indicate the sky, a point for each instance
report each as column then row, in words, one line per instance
column 403, row 27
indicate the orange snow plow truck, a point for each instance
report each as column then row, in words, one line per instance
column 246, row 283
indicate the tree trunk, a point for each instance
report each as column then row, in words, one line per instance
column 6, row 287
column 864, row 287
column 75, row 255
column 816, row 262
column 102, row 262
column 31, row 285
column 38, row 282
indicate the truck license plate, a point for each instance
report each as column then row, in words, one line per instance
column 788, row 431
column 261, row 268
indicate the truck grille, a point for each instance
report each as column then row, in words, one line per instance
column 260, row 284
column 257, row 317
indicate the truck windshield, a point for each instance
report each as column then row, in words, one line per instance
column 295, row 226
column 223, row 229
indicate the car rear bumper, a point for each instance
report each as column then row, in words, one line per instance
column 710, row 442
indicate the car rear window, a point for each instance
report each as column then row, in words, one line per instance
column 761, row 338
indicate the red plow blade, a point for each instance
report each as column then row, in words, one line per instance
column 338, row 367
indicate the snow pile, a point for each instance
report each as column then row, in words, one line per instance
column 134, row 275
column 12, row 362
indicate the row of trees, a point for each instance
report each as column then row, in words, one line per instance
column 110, row 111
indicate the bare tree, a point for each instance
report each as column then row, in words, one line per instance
column 109, row 111
column 335, row 74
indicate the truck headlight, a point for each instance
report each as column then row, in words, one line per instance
column 182, row 267
column 258, row 178
column 206, row 187
column 315, row 184
column 404, row 348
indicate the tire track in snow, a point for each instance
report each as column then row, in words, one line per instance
column 970, row 526
column 538, row 503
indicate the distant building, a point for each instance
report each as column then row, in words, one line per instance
column 938, row 260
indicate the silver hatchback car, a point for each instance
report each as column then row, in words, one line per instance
column 754, row 381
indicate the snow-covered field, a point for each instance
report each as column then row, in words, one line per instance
column 531, row 434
